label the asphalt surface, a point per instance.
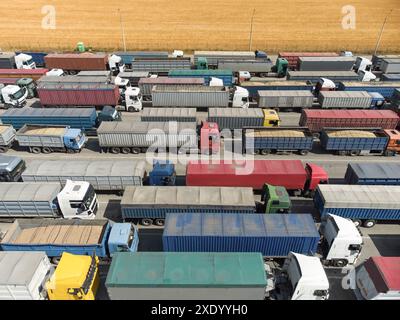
(383, 239)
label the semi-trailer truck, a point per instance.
(129, 56)
(48, 139)
(285, 100)
(37, 57)
(7, 137)
(262, 67)
(210, 59)
(83, 237)
(170, 114)
(325, 63)
(13, 96)
(254, 86)
(293, 57)
(19, 61)
(23, 83)
(373, 173)
(77, 200)
(350, 100)
(160, 66)
(385, 88)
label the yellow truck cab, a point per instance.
(76, 278)
(271, 118)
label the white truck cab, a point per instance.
(132, 99)
(366, 76)
(362, 64)
(216, 82)
(77, 200)
(341, 241)
(240, 98)
(115, 63)
(177, 53)
(55, 73)
(24, 61)
(14, 96)
(121, 83)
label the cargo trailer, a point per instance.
(168, 114)
(391, 77)
(103, 175)
(325, 63)
(381, 173)
(377, 60)
(350, 100)
(133, 76)
(74, 62)
(37, 57)
(364, 204)
(23, 275)
(290, 174)
(285, 100)
(316, 120)
(48, 139)
(385, 88)
(225, 75)
(262, 140)
(390, 65)
(254, 86)
(7, 137)
(161, 66)
(274, 235)
(33, 74)
(146, 84)
(237, 118)
(7, 60)
(152, 276)
(74, 79)
(129, 56)
(293, 57)
(314, 76)
(77, 200)
(255, 66)
(360, 141)
(83, 237)
(150, 204)
(214, 57)
(95, 73)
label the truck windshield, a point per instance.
(89, 196)
(19, 94)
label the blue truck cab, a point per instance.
(74, 139)
(123, 238)
(109, 113)
(163, 174)
(378, 100)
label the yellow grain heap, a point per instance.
(45, 131)
(276, 133)
(351, 134)
(3, 128)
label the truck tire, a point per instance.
(125, 150)
(55, 260)
(115, 150)
(264, 152)
(72, 72)
(3, 149)
(132, 109)
(357, 222)
(341, 153)
(340, 263)
(35, 150)
(389, 153)
(135, 150)
(369, 223)
(46, 150)
(303, 152)
(146, 222)
(354, 153)
(159, 222)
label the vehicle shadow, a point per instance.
(387, 244)
(150, 239)
(113, 210)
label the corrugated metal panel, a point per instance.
(285, 99)
(169, 114)
(7, 135)
(34, 74)
(76, 61)
(236, 118)
(316, 75)
(373, 173)
(160, 65)
(390, 65)
(146, 84)
(26, 136)
(377, 59)
(293, 57)
(225, 75)
(213, 57)
(345, 99)
(259, 65)
(385, 88)
(73, 79)
(273, 235)
(326, 63)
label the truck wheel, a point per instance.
(341, 153)
(132, 109)
(125, 150)
(46, 150)
(369, 223)
(146, 222)
(303, 152)
(159, 222)
(115, 150)
(135, 150)
(355, 153)
(357, 222)
(72, 72)
(340, 263)
(35, 150)
(55, 260)
(3, 149)
(264, 152)
(389, 153)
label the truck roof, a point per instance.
(29, 191)
(38, 71)
(384, 272)
(326, 59)
(88, 55)
(74, 86)
(9, 162)
(346, 227)
(186, 269)
(19, 267)
(369, 84)
(312, 270)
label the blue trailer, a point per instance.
(37, 57)
(85, 119)
(225, 75)
(385, 88)
(150, 204)
(83, 237)
(355, 141)
(375, 173)
(254, 87)
(364, 204)
(274, 235)
(264, 140)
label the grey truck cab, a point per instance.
(11, 168)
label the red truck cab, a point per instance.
(315, 175)
(210, 138)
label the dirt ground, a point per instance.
(205, 24)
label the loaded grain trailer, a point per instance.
(74, 62)
(48, 139)
(150, 276)
(391, 77)
(237, 118)
(212, 58)
(7, 137)
(259, 67)
(262, 140)
(146, 84)
(377, 60)
(325, 63)
(70, 94)
(161, 65)
(385, 88)
(293, 57)
(316, 120)
(33, 74)
(274, 235)
(314, 76)
(129, 56)
(364, 204)
(77, 200)
(225, 75)
(150, 204)
(361, 141)
(350, 100)
(290, 174)
(168, 114)
(83, 237)
(37, 57)
(103, 175)
(381, 173)
(254, 86)
(23, 275)
(285, 100)
(390, 65)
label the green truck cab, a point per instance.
(275, 199)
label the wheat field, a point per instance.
(195, 24)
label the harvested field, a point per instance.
(208, 25)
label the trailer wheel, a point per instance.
(389, 153)
(46, 150)
(135, 150)
(316, 135)
(115, 150)
(369, 223)
(146, 222)
(341, 153)
(56, 260)
(132, 109)
(125, 150)
(357, 222)
(3, 149)
(354, 153)
(340, 263)
(303, 152)
(72, 72)
(35, 150)
(159, 222)
(264, 152)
